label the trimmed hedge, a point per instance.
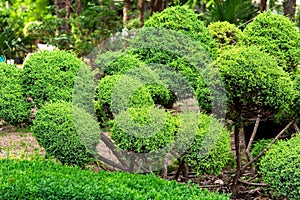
(276, 35)
(210, 149)
(14, 109)
(50, 75)
(47, 180)
(69, 134)
(280, 168)
(225, 34)
(184, 20)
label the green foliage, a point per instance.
(184, 20)
(210, 149)
(56, 129)
(49, 76)
(144, 130)
(138, 96)
(280, 168)
(258, 147)
(233, 11)
(13, 106)
(225, 34)
(295, 109)
(276, 35)
(46, 180)
(254, 79)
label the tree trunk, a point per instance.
(235, 185)
(67, 21)
(126, 10)
(289, 8)
(157, 6)
(141, 8)
(263, 5)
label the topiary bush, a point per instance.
(280, 168)
(210, 149)
(47, 180)
(276, 35)
(186, 21)
(69, 134)
(50, 75)
(14, 109)
(143, 130)
(108, 86)
(225, 34)
(253, 82)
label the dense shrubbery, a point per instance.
(144, 130)
(276, 35)
(210, 150)
(46, 180)
(184, 20)
(13, 106)
(49, 76)
(111, 85)
(258, 147)
(69, 134)
(225, 34)
(280, 168)
(253, 78)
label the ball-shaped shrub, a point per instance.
(210, 148)
(295, 108)
(252, 78)
(276, 35)
(14, 108)
(182, 19)
(50, 75)
(69, 134)
(225, 34)
(280, 168)
(121, 86)
(144, 130)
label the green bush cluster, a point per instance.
(69, 134)
(280, 168)
(258, 147)
(144, 130)
(111, 85)
(184, 20)
(50, 75)
(276, 35)
(225, 34)
(47, 180)
(254, 79)
(14, 108)
(210, 149)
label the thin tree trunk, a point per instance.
(126, 10)
(289, 8)
(141, 8)
(263, 5)
(67, 20)
(157, 6)
(235, 185)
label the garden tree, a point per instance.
(157, 6)
(255, 85)
(141, 8)
(276, 35)
(126, 11)
(263, 5)
(289, 8)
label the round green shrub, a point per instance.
(14, 108)
(50, 75)
(252, 78)
(144, 130)
(280, 168)
(295, 108)
(109, 85)
(258, 147)
(210, 149)
(182, 19)
(276, 35)
(69, 134)
(225, 34)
